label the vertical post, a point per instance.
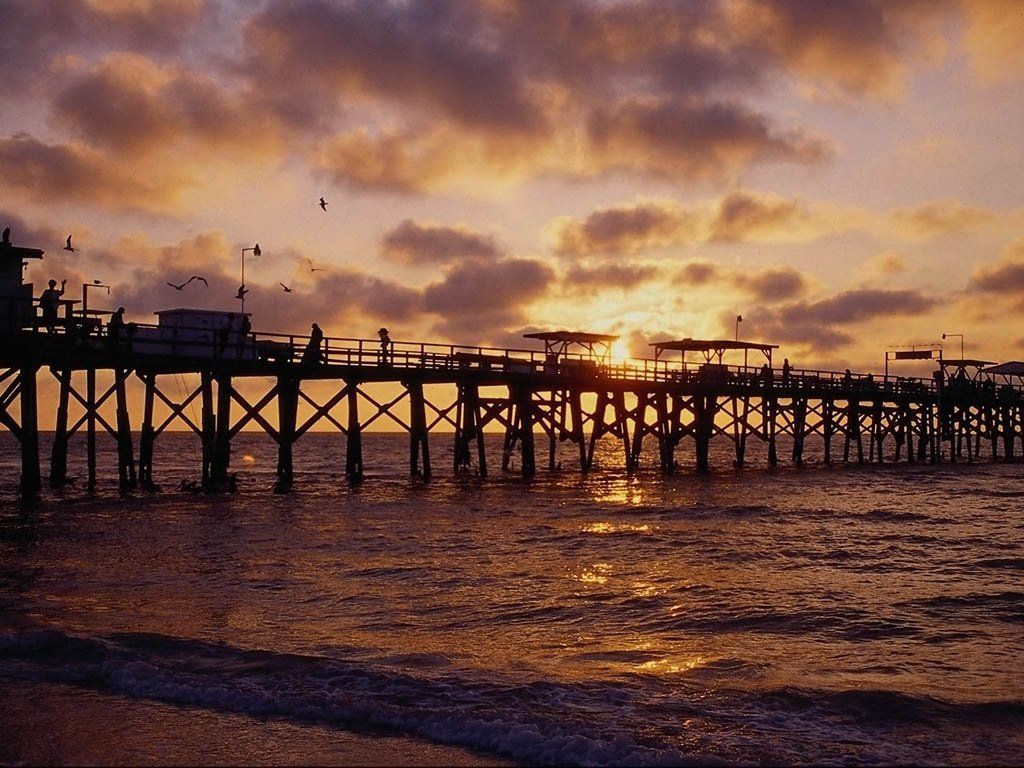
(799, 429)
(664, 432)
(1008, 429)
(576, 413)
(125, 457)
(31, 480)
(207, 428)
(287, 408)
(59, 452)
(703, 416)
(597, 425)
(828, 427)
(222, 439)
(771, 408)
(90, 428)
(354, 449)
(147, 435)
(418, 431)
(643, 399)
(622, 421)
(524, 409)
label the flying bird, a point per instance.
(194, 277)
(323, 204)
(68, 247)
(242, 290)
(286, 288)
(7, 236)
(309, 262)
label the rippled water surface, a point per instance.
(856, 614)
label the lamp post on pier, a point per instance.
(241, 289)
(961, 341)
(739, 319)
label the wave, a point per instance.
(532, 722)
(634, 721)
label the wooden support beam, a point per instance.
(706, 406)
(147, 437)
(90, 428)
(576, 433)
(287, 390)
(771, 416)
(418, 446)
(799, 429)
(209, 425)
(31, 480)
(522, 395)
(354, 448)
(222, 436)
(59, 450)
(125, 455)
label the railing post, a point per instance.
(31, 481)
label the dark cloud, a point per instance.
(479, 299)
(432, 56)
(52, 172)
(627, 229)
(821, 326)
(698, 273)
(418, 243)
(690, 139)
(1003, 279)
(772, 285)
(742, 214)
(36, 32)
(591, 279)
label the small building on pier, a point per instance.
(16, 309)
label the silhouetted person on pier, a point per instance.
(385, 347)
(49, 300)
(785, 372)
(7, 236)
(313, 354)
(115, 328)
(847, 378)
(766, 375)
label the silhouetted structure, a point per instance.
(542, 393)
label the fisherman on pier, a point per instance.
(385, 347)
(313, 354)
(115, 328)
(49, 300)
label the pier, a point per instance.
(569, 390)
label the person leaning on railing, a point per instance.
(49, 301)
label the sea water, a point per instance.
(867, 614)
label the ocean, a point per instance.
(867, 615)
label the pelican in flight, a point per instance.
(67, 246)
(286, 288)
(309, 263)
(323, 204)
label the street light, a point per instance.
(241, 291)
(961, 342)
(85, 293)
(739, 319)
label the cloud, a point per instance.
(422, 243)
(77, 173)
(39, 31)
(626, 229)
(745, 216)
(128, 104)
(1004, 277)
(624, 276)
(477, 299)
(768, 285)
(940, 217)
(995, 38)
(691, 139)
(428, 57)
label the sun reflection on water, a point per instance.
(673, 666)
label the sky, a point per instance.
(846, 176)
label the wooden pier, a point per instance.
(571, 390)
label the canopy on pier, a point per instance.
(558, 343)
(1013, 368)
(713, 349)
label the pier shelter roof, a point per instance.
(1008, 370)
(558, 343)
(968, 368)
(713, 349)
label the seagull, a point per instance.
(323, 204)
(286, 288)
(242, 290)
(194, 277)
(7, 236)
(312, 268)
(68, 246)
